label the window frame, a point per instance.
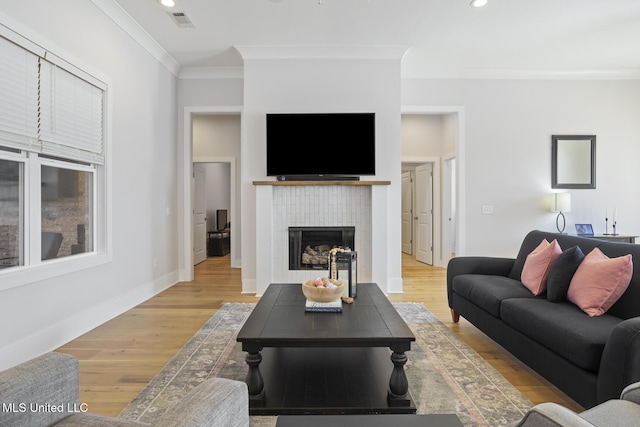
(21, 157)
(34, 269)
(62, 164)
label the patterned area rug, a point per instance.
(445, 375)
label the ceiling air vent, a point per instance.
(181, 19)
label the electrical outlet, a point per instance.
(487, 209)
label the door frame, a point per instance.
(460, 193)
(446, 203)
(185, 193)
(231, 161)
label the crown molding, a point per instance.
(189, 73)
(121, 18)
(528, 74)
(322, 52)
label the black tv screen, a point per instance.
(321, 145)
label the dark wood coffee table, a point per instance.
(326, 363)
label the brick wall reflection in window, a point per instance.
(67, 212)
(11, 213)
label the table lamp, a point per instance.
(561, 203)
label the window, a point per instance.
(11, 212)
(67, 211)
(52, 157)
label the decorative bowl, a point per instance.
(322, 294)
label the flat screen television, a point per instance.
(321, 145)
(221, 219)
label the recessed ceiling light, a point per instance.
(478, 3)
(167, 3)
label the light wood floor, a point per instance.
(120, 357)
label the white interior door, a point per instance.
(199, 215)
(424, 213)
(407, 214)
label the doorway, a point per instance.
(433, 135)
(212, 197)
(190, 153)
(418, 211)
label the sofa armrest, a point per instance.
(215, 402)
(50, 379)
(631, 393)
(492, 266)
(551, 415)
(620, 364)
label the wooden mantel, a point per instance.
(309, 183)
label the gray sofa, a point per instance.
(45, 392)
(592, 359)
(623, 412)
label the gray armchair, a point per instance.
(45, 392)
(623, 412)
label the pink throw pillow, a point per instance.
(537, 265)
(599, 282)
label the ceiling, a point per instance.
(444, 38)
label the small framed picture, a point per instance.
(584, 230)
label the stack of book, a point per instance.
(323, 307)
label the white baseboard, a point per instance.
(55, 336)
(394, 286)
(249, 286)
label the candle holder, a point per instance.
(345, 264)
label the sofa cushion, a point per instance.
(627, 306)
(562, 328)
(599, 282)
(488, 291)
(618, 413)
(562, 272)
(532, 240)
(538, 264)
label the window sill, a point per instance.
(18, 276)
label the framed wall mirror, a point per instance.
(573, 161)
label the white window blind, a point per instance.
(71, 115)
(44, 107)
(18, 97)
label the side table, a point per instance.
(218, 243)
(615, 237)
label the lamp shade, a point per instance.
(561, 202)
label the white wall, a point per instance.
(323, 85)
(422, 135)
(508, 131)
(41, 316)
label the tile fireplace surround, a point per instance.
(327, 203)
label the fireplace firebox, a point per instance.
(309, 246)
